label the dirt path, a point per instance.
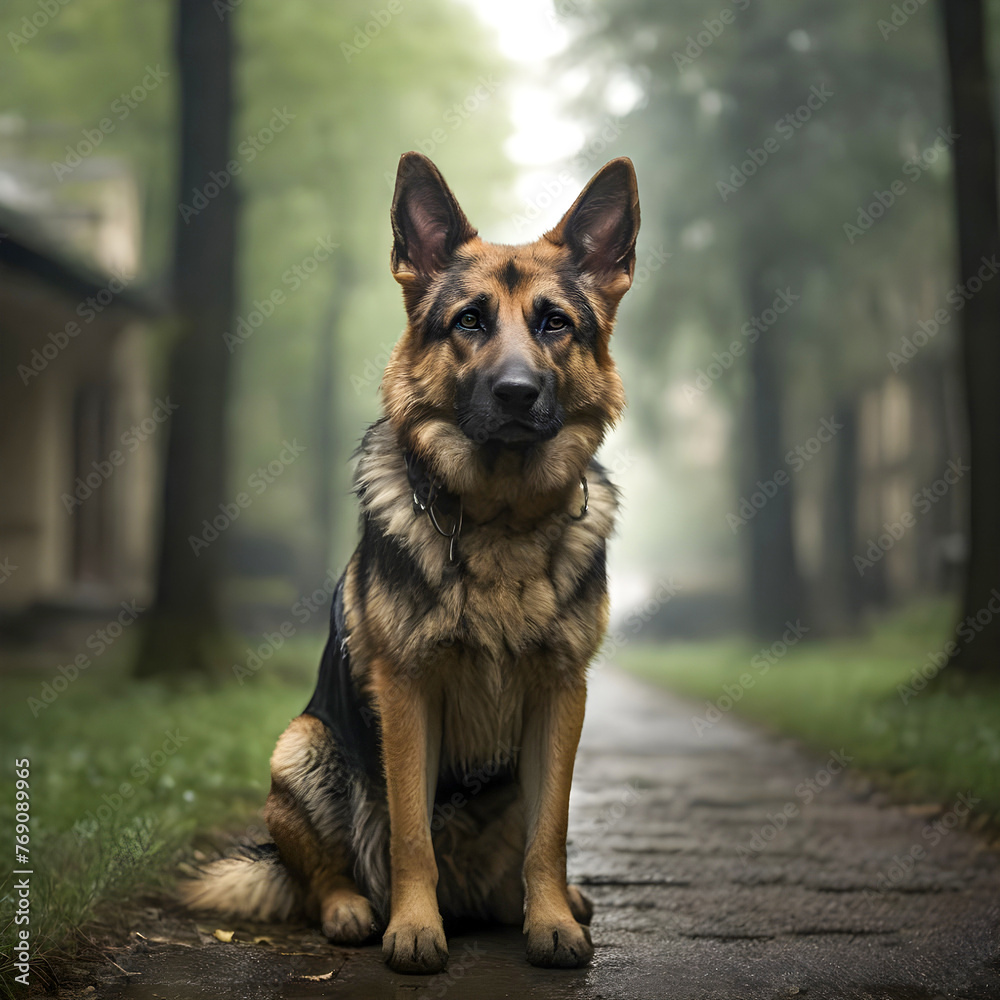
(724, 866)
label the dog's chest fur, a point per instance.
(522, 606)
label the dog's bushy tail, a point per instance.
(251, 884)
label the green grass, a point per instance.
(92, 840)
(941, 741)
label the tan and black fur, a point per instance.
(429, 776)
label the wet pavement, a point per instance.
(724, 865)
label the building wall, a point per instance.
(32, 540)
(40, 527)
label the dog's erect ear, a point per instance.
(427, 223)
(601, 227)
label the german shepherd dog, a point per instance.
(429, 776)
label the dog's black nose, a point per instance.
(517, 387)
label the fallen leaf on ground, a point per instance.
(922, 809)
(225, 936)
(169, 940)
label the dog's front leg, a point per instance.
(551, 734)
(411, 735)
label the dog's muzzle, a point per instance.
(514, 404)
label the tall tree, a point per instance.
(773, 587)
(976, 213)
(185, 629)
(757, 135)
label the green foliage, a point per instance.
(703, 105)
(78, 71)
(927, 742)
(705, 94)
(110, 807)
(330, 175)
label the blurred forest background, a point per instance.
(197, 307)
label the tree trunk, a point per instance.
(773, 585)
(840, 592)
(775, 589)
(327, 415)
(185, 632)
(976, 212)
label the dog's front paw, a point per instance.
(565, 945)
(414, 948)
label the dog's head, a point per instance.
(504, 366)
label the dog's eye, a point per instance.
(555, 323)
(469, 320)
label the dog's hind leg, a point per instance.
(309, 814)
(346, 915)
